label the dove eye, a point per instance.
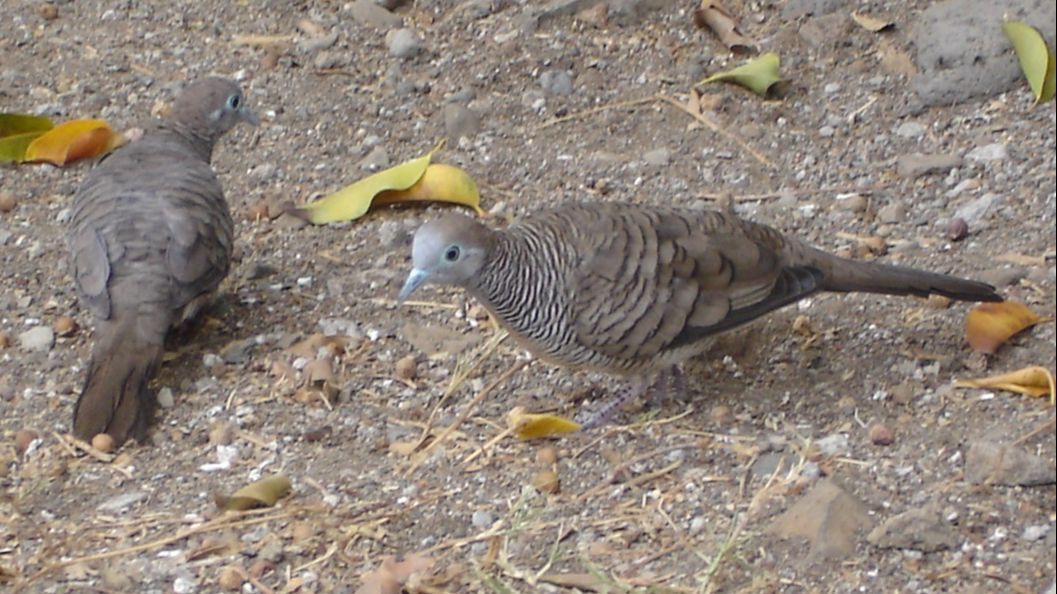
(234, 101)
(452, 253)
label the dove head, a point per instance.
(451, 250)
(209, 107)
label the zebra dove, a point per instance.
(150, 240)
(634, 290)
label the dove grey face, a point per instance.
(448, 251)
(212, 106)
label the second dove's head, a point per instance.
(449, 251)
(212, 106)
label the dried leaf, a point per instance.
(262, 493)
(414, 180)
(1036, 58)
(757, 75)
(393, 573)
(17, 132)
(715, 16)
(539, 426)
(988, 325)
(1030, 381)
(72, 141)
(872, 24)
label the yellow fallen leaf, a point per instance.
(444, 183)
(1030, 381)
(871, 24)
(73, 140)
(539, 426)
(262, 493)
(988, 325)
(1036, 58)
(757, 75)
(17, 131)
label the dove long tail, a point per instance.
(116, 399)
(872, 277)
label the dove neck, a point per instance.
(199, 141)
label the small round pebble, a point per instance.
(720, 414)
(103, 442)
(403, 43)
(65, 326)
(230, 578)
(482, 519)
(547, 456)
(407, 368)
(8, 202)
(546, 481)
(957, 229)
(24, 437)
(881, 434)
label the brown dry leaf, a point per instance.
(715, 16)
(72, 141)
(988, 325)
(393, 573)
(1029, 381)
(539, 426)
(872, 24)
(262, 493)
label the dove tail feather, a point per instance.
(872, 277)
(116, 399)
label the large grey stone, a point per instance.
(962, 52)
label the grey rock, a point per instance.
(892, 213)
(403, 43)
(327, 60)
(38, 339)
(556, 82)
(238, 351)
(993, 463)
(376, 160)
(977, 211)
(122, 502)
(853, 203)
(826, 131)
(482, 520)
(658, 157)
(314, 44)
(915, 165)
(962, 52)
(827, 516)
(795, 9)
(917, 529)
(165, 398)
(1033, 533)
(835, 444)
(831, 30)
(367, 12)
(988, 152)
(461, 121)
(910, 130)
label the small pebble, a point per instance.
(407, 368)
(482, 519)
(547, 456)
(5, 340)
(24, 437)
(1033, 533)
(8, 202)
(38, 338)
(659, 157)
(957, 229)
(65, 326)
(261, 567)
(103, 442)
(230, 578)
(720, 414)
(403, 43)
(546, 481)
(221, 433)
(988, 152)
(881, 434)
(49, 12)
(556, 82)
(165, 398)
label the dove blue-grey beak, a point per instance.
(415, 279)
(249, 116)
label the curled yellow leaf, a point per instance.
(262, 493)
(1036, 59)
(72, 141)
(539, 426)
(757, 75)
(17, 131)
(988, 325)
(410, 181)
(1030, 381)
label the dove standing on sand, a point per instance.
(150, 240)
(634, 290)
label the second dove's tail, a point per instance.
(116, 399)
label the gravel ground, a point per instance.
(823, 449)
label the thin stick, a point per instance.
(599, 109)
(715, 128)
(465, 414)
(85, 447)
